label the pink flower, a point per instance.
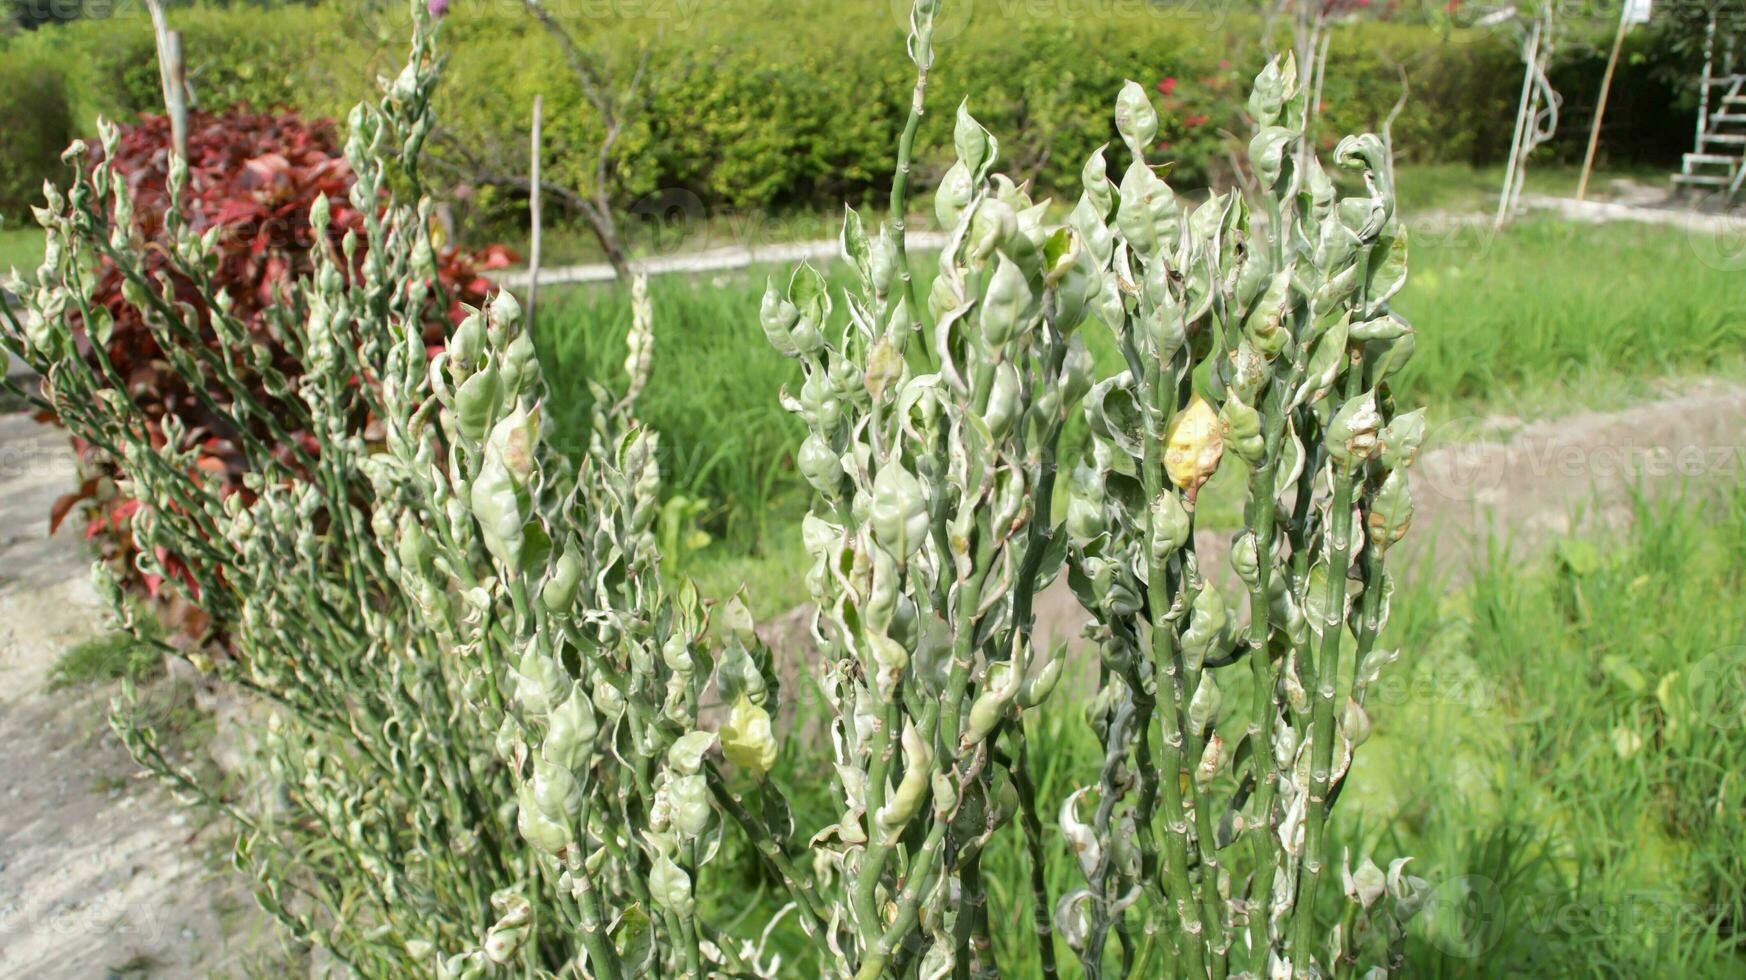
(1168, 85)
(438, 8)
(1198, 119)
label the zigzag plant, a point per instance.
(489, 750)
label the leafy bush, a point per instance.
(36, 122)
(490, 748)
(933, 446)
(251, 181)
(740, 123)
(459, 628)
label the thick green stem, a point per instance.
(866, 881)
(797, 885)
(1264, 844)
(1323, 680)
(878, 955)
(1165, 660)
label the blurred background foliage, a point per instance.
(749, 105)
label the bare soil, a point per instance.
(102, 874)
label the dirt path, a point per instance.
(722, 259)
(101, 873)
(1633, 202)
(1524, 484)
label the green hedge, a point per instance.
(753, 105)
(36, 123)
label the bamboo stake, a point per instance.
(1600, 109)
(533, 258)
(171, 77)
(1522, 116)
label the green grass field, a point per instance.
(1550, 314)
(1562, 754)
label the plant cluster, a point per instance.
(502, 740)
(483, 750)
(250, 183)
(1262, 342)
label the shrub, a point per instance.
(483, 750)
(489, 747)
(251, 180)
(36, 122)
(741, 120)
(1268, 345)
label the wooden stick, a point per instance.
(171, 77)
(533, 202)
(1600, 109)
(1529, 60)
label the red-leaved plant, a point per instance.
(255, 176)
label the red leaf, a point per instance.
(62, 505)
(256, 175)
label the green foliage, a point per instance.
(933, 444)
(36, 123)
(1569, 779)
(260, 243)
(738, 115)
(506, 739)
(485, 750)
(112, 656)
(291, 56)
(385, 829)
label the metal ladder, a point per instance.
(1719, 159)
